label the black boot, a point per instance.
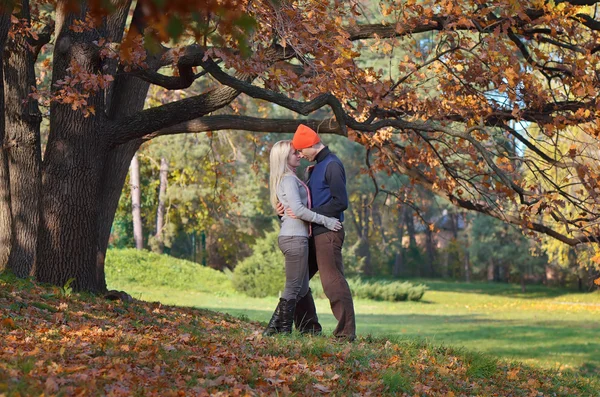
(282, 319)
(287, 316)
(275, 323)
(305, 316)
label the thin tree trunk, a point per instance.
(467, 258)
(23, 120)
(410, 228)
(363, 248)
(467, 265)
(399, 260)
(5, 210)
(491, 270)
(136, 202)
(160, 212)
(430, 251)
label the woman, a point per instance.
(286, 188)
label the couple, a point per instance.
(311, 235)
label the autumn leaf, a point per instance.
(322, 388)
(8, 322)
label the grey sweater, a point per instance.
(292, 194)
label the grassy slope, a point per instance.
(549, 327)
(80, 345)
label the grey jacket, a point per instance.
(292, 194)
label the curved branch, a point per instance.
(184, 80)
(245, 123)
(423, 181)
(530, 145)
(527, 55)
(303, 108)
(142, 123)
(361, 32)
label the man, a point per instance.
(327, 183)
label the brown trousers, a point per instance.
(325, 256)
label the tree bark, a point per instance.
(491, 272)
(410, 228)
(399, 260)
(467, 265)
(23, 120)
(160, 212)
(430, 251)
(71, 169)
(5, 207)
(128, 97)
(136, 202)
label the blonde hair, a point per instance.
(279, 167)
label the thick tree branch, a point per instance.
(184, 80)
(527, 55)
(578, 2)
(361, 32)
(245, 123)
(303, 108)
(157, 118)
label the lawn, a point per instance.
(550, 328)
(55, 342)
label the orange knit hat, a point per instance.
(304, 137)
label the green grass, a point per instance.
(147, 269)
(548, 327)
(143, 348)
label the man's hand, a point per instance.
(280, 210)
(290, 213)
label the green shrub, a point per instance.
(262, 273)
(147, 269)
(380, 290)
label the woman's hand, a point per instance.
(333, 224)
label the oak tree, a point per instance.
(475, 101)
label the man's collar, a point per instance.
(322, 154)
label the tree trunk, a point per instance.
(523, 285)
(136, 202)
(430, 252)
(23, 120)
(160, 212)
(491, 270)
(73, 160)
(5, 211)
(399, 260)
(128, 97)
(467, 265)
(410, 228)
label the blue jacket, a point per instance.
(327, 184)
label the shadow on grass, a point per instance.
(551, 343)
(495, 288)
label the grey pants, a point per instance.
(295, 251)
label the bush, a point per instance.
(262, 273)
(147, 269)
(380, 290)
